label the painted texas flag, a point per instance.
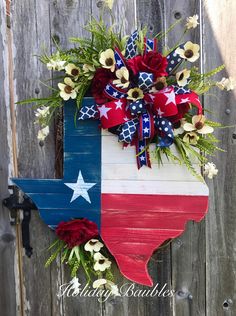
(136, 210)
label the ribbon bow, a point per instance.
(138, 122)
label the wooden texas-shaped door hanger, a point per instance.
(135, 210)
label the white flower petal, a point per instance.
(189, 127)
(206, 130)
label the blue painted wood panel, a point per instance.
(82, 154)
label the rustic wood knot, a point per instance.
(234, 135)
(56, 38)
(36, 90)
(7, 237)
(227, 111)
(41, 143)
(177, 15)
(184, 294)
(100, 4)
(227, 304)
(151, 28)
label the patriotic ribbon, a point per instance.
(137, 122)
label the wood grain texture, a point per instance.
(8, 297)
(220, 47)
(188, 251)
(202, 289)
(30, 27)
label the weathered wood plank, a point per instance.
(30, 27)
(8, 296)
(219, 47)
(188, 251)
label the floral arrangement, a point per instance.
(142, 95)
(78, 245)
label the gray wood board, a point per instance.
(199, 266)
(219, 47)
(8, 304)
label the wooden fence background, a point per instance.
(200, 265)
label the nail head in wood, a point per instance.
(227, 303)
(36, 90)
(177, 15)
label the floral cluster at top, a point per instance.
(143, 95)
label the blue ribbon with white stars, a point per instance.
(142, 153)
(145, 126)
(150, 44)
(113, 92)
(165, 132)
(120, 62)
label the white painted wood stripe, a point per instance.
(121, 175)
(110, 145)
(129, 171)
(157, 187)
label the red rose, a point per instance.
(100, 80)
(151, 62)
(182, 110)
(76, 232)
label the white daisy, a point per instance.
(101, 262)
(72, 70)
(182, 77)
(107, 59)
(226, 83)
(67, 89)
(123, 78)
(93, 245)
(198, 125)
(189, 52)
(210, 170)
(107, 284)
(56, 65)
(135, 94)
(192, 22)
(43, 133)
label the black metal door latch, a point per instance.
(13, 204)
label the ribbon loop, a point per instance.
(150, 44)
(145, 80)
(166, 134)
(142, 153)
(137, 107)
(131, 46)
(120, 62)
(88, 112)
(128, 131)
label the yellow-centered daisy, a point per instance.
(182, 77)
(135, 94)
(190, 52)
(107, 59)
(123, 78)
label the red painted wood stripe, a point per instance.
(133, 226)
